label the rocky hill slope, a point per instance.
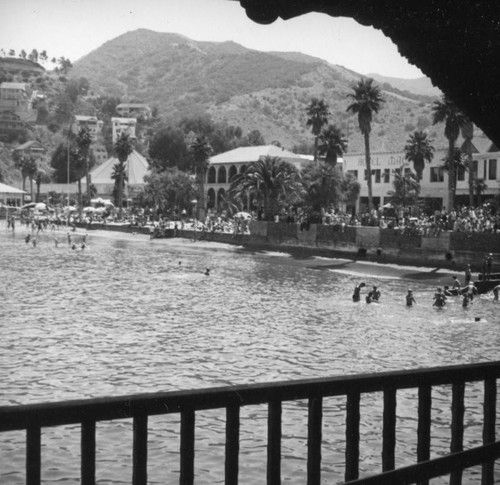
(254, 90)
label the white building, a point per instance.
(93, 125)
(434, 183)
(123, 125)
(223, 167)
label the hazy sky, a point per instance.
(73, 28)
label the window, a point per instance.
(354, 173)
(387, 176)
(492, 170)
(461, 173)
(437, 174)
(376, 173)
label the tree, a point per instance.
(322, 183)
(317, 113)
(119, 175)
(23, 54)
(366, 100)
(406, 188)
(122, 149)
(350, 189)
(168, 189)
(200, 151)
(33, 56)
(83, 142)
(467, 130)
(28, 167)
(418, 150)
(271, 181)
(253, 139)
(168, 149)
(332, 144)
(447, 112)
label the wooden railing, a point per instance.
(33, 418)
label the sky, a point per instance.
(74, 28)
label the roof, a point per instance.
(85, 118)
(132, 105)
(137, 168)
(30, 144)
(7, 85)
(7, 189)
(255, 153)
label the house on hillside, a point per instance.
(93, 125)
(134, 110)
(123, 125)
(16, 108)
(223, 167)
(31, 148)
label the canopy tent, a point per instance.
(136, 167)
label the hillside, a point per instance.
(254, 90)
(422, 85)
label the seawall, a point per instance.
(451, 250)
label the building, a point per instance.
(10, 196)
(134, 110)
(31, 148)
(16, 108)
(434, 183)
(223, 167)
(93, 125)
(136, 168)
(123, 125)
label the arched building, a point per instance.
(225, 166)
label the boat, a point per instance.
(482, 285)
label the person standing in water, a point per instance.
(373, 296)
(439, 299)
(356, 296)
(410, 299)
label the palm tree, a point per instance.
(467, 130)
(28, 167)
(448, 112)
(322, 183)
(201, 150)
(119, 175)
(418, 150)
(317, 113)
(123, 148)
(83, 141)
(333, 144)
(406, 188)
(366, 100)
(270, 180)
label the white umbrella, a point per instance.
(31, 205)
(40, 206)
(89, 209)
(243, 215)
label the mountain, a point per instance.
(422, 85)
(268, 91)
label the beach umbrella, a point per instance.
(40, 206)
(89, 209)
(243, 215)
(31, 205)
(70, 208)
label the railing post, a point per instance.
(314, 438)
(232, 444)
(424, 426)
(88, 452)
(457, 426)
(489, 419)
(389, 432)
(187, 447)
(33, 454)
(274, 443)
(352, 436)
(140, 450)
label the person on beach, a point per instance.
(439, 299)
(410, 299)
(468, 274)
(356, 296)
(470, 291)
(373, 295)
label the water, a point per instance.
(130, 315)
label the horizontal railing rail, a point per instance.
(34, 417)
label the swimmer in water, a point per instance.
(357, 291)
(34, 241)
(73, 246)
(439, 299)
(70, 239)
(207, 272)
(373, 296)
(27, 238)
(410, 299)
(56, 242)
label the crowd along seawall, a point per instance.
(448, 249)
